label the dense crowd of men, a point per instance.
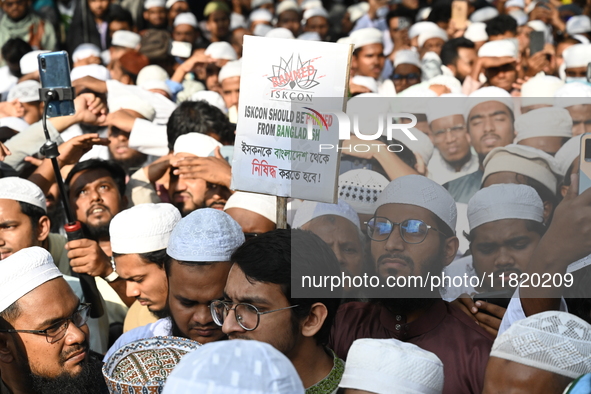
(196, 280)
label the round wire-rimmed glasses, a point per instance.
(412, 231)
(247, 316)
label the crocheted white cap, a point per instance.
(361, 189)
(18, 189)
(309, 210)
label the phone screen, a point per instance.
(536, 42)
(54, 72)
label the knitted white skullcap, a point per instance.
(97, 71)
(205, 235)
(186, 18)
(361, 189)
(553, 341)
(366, 36)
(578, 24)
(198, 144)
(523, 160)
(578, 55)
(378, 365)
(262, 204)
(132, 102)
(143, 228)
(483, 95)
(544, 122)
(505, 201)
(432, 33)
(221, 50)
(309, 210)
(422, 192)
(154, 3)
(85, 50)
(405, 56)
(420, 27)
(280, 32)
(29, 62)
(23, 272)
(126, 39)
(286, 5)
(313, 12)
(231, 69)
(476, 32)
(573, 93)
(484, 14)
(498, 48)
(18, 189)
(260, 15)
(438, 108)
(25, 92)
(152, 72)
(540, 90)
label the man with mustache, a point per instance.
(412, 236)
(199, 248)
(43, 343)
(489, 119)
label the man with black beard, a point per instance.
(199, 248)
(412, 236)
(43, 343)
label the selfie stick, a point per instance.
(73, 227)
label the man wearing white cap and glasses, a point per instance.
(199, 248)
(155, 14)
(412, 234)
(139, 237)
(407, 70)
(43, 343)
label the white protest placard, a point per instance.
(288, 89)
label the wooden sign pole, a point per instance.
(281, 212)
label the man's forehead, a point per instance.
(500, 230)
(91, 175)
(488, 108)
(403, 210)
(450, 120)
(9, 206)
(240, 287)
(41, 303)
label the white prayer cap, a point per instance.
(483, 95)
(23, 272)
(230, 69)
(452, 83)
(29, 62)
(366, 36)
(432, 33)
(553, 341)
(540, 90)
(186, 18)
(262, 204)
(505, 201)
(260, 15)
(368, 82)
(420, 27)
(567, 154)
(286, 5)
(515, 3)
(262, 29)
(406, 56)
(379, 365)
(26, 91)
(97, 71)
(143, 228)
(441, 108)
(498, 48)
(18, 189)
(520, 16)
(422, 192)
(422, 146)
(311, 36)
(476, 32)
(126, 39)
(544, 122)
(170, 3)
(280, 32)
(197, 144)
(523, 160)
(249, 367)
(356, 11)
(205, 235)
(14, 123)
(309, 210)
(578, 24)
(213, 98)
(484, 14)
(151, 73)
(309, 4)
(131, 102)
(221, 50)
(85, 50)
(257, 3)
(344, 40)
(537, 25)
(154, 3)
(312, 12)
(581, 38)
(361, 189)
(578, 55)
(423, 14)
(572, 93)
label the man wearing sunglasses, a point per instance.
(43, 343)
(257, 303)
(407, 70)
(412, 235)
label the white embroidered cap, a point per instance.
(544, 122)
(309, 210)
(361, 189)
(18, 189)
(262, 204)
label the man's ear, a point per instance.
(450, 250)
(6, 356)
(315, 319)
(43, 228)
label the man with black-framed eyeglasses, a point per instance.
(44, 344)
(258, 303)
(413, 236)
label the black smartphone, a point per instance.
(54, 71)
(589, 72)
(536, 42)
(500, 298)
(585, 163)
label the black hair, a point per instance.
(449, 50)
(440, 12)
(114, 169)
(400, 12)
(120, 14)
(33, 212)
(14, 49)
(500, 25)
(10, 314)
(158, 257)
(198, 117)
(280, 255)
